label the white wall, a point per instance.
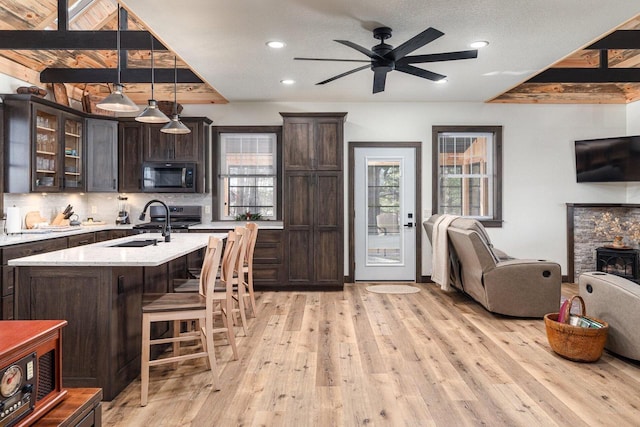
(539, 164)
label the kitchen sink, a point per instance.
(135, 243)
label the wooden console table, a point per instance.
(81, 408)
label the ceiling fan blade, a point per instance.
(359, 48)
(379, 80)
(343, 74)
(438, 57)
(416, 42)
(329, 59)
(410, 69)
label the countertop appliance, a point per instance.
(163, 177)
(181, 217)
(123, 211)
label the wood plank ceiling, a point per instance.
(27, 64)
(91, 15)
(559, 92)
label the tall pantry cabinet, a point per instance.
(313, 199)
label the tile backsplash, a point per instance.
(99, 206)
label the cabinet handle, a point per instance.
(120, 284)
(114, 183)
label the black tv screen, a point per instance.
(608, 159)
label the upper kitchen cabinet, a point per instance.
(131, 136)
(310, 142)
(102, 155)
(164, 147)
(142, 142)
(44, 146)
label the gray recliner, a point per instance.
(504, 285)
(615, 300)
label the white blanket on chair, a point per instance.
(440, 263)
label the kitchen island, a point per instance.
(98, 289)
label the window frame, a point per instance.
(496, 221)
(214, 156)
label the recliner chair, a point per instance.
(504, 285)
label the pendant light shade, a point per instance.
(117, 101)
(175, 126)
(152, 114)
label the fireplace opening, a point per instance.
(621, 262)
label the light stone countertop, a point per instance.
(230, 225)
(103, 254)
(35, 236)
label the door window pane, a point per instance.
(383, 213)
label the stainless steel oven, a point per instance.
(166, 177)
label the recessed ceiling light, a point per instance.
(287, 81)
(274, 44)
(479, 44)
(441, 81)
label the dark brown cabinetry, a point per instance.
(101, 346)
(8, 279)
(268, 258)
(313, 199)
(130, 141)
(44, 146)
(81, 240)
(140, 142)
(102, 155)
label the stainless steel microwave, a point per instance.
(165, 177)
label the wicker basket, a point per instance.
(574, 342)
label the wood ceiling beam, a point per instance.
(127, 75)
(619, 39)
(77, 40)
(588, 75)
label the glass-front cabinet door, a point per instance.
(73, 129)
(47, 176)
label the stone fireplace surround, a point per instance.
(582, 240)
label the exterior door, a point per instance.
(385, 215)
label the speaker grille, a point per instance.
(46, 374)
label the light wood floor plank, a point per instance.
(355, 358)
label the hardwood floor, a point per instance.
(358, 358)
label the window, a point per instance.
(467, 172)
(248, 174)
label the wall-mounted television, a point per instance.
(608, 159)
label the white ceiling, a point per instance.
(224, 42)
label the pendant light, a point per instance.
(152, 114)
(175, 126)
(117, 101)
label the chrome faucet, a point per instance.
(166, 229)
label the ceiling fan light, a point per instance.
(152, 114)
(441, 81)
(118, 102)
(175, 126)
(287, 82)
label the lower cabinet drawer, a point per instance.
(26, 249)
(81, 239)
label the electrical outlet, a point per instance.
(94, 209)
(207, 209)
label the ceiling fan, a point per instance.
(385, 58)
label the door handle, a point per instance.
(409, 225)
